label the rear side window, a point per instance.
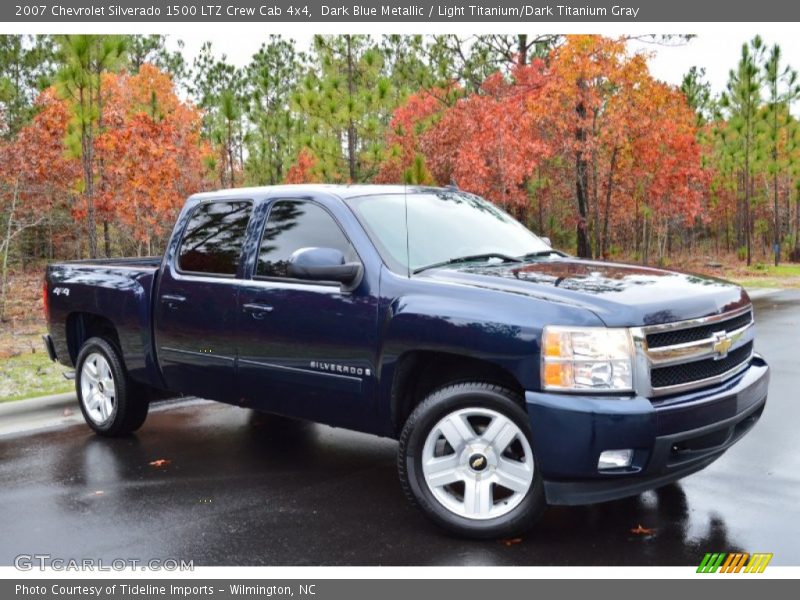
(295, 224)
(212, 242)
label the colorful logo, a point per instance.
(734, 562)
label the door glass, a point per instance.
(293, 225)
(214, 237)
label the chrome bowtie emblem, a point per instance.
(722, 343)
(477, 462)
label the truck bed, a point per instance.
(145, 262)
(84, 294)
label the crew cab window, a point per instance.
(214, 237)
(295, 224)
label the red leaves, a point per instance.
(517, 138)
(512, 542)
(160, 463)
(639, 530)
(302, 171)
(152, 155)
(148, 154)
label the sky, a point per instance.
(718, 52)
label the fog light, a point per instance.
(615, 459)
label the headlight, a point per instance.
(587, 358)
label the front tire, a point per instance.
(111, 403)
(466, 460)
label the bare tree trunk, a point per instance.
(777, 238)
(351, 128)
(607, 208)
(747, 193)
(101, 162)
(6, 245)
(595, 207)
(540, 203)
(87, 160)
(106, 238)
(231, 153)
(584, 250)
(522, 50)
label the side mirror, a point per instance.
(324, 264)
(547, 241)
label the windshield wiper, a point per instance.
(539, 253)
(460, 259)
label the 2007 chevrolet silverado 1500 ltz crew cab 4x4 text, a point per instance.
(513, 375)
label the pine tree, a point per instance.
(782, 89)
(271, 141)
(84, 59)
(742, 100)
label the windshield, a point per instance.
(442, 226)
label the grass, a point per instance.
(761, 275)
(30, 375)
(785, 270)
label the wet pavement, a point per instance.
(237, 489)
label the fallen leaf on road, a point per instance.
(67, 412)
(161, 462)
(639, 530)
(99, 493)
(512, 541)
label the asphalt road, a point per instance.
(239, 491)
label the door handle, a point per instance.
(172, 300)
(257, 310)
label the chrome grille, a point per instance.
(694, 334)
(686, 355)
(699, 369)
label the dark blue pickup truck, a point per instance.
(514, 376)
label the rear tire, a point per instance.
(466, 460)
(112, 404)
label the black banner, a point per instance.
(396, 11)
(386, 589)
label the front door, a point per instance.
(196, 305)
(306, 348)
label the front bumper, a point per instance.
(671, 437)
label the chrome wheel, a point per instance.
(477, 463)
(98, 392)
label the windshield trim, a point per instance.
(384, 254)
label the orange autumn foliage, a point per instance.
(35, 160)
(151, 151)
(149, 156)
(304, 169)
(519, 139)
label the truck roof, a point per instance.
(341, 191)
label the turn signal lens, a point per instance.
(558, 374)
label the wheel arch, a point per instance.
(82, 326)
(418, 373)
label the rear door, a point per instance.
(196, 304)
(307, 348)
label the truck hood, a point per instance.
(621, 295)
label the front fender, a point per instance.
(499, 328)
